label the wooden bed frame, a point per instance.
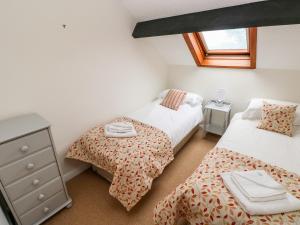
(109, 177)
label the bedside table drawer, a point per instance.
(24, 146)
(44, 209)
(38, 196)
(26, 166)
(32, 182)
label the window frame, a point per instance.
(239, 59)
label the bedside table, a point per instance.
(208, 111)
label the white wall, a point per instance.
(240, 85)
(277, 74)
(76, 77)
(94, 70)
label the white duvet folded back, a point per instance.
(176, 124)
(244, 137)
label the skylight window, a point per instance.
(234, 39)
(234, 48)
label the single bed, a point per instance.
(132, 163)
(241, 137)
(178, 125)
(280, 150)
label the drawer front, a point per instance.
(36, 197)
(26, 166)
(44, 209)
(32, 182)
(24, 146)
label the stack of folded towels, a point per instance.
(119, 129)
(258, 193)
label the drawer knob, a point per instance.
(30, 166)
(24, 148)
(41, 197)
(46, 210)
(35, 182)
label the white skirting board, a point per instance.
(75, 172)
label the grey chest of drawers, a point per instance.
(30, 175)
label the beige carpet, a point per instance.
(92, 205)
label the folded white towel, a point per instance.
(258, 186)
(112, 129)
(288, 204)
(119, 130)
(121, 125)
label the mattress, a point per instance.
(176, 124)
(276, 149)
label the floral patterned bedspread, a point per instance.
(203, 198)
(134, 162)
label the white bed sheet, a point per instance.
(276, 149)
(176, 124)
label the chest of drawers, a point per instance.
(30, 176)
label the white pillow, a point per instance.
(191, 99)
(254, 110)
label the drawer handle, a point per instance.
(24, 148)
(41, 197)
(35, 182)
(30, 166)
(46, 210)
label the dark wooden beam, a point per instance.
(265, 13)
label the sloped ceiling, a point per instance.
(278, 47)
(153, 9)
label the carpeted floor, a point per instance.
(92, 204)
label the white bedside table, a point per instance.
(208, 111)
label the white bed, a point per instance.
(176, 124)
(280, 150)
(179, 125)
(243, 137)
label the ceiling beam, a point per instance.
(265, 13)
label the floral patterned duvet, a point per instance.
(203, 198)
(134, 162)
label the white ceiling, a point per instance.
(152, 9)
